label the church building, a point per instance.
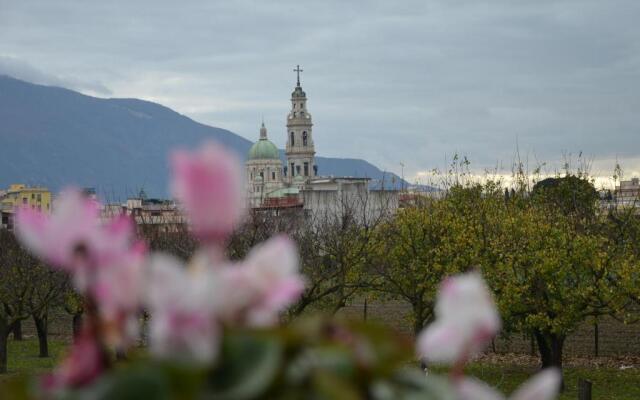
(296, 184)
(267, 178)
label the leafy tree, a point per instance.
(419, 248)
(550, 275)
(573, 195)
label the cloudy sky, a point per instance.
(388, 81)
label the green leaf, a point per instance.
(329, 386)
(139, 383)
(248, 366)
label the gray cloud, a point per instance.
(413, 82)
(21, 69)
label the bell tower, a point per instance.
(300, 151)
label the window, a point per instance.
(33, 196)
(25, 200)
(304, 138)
(292, 169)
(292, 140)
(39, 197)
(273, 176)
(294, 114)
(297, 169)
(306, 169)
(261, 174)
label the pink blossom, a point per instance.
(182, 305)
(466, 320)
(209, 184)
(104, 260)
(117, 289)
(264, 284)
(117, 285)
(85, 363)
(59, 238)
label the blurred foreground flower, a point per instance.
(104, 259)
(257, 289)
(181, 304)
(466, 321)
(84, 364)
(209, 184)
(69, 237)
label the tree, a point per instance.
(335, 247)
(550, 274)
(15, 289)
(422, 245)
(573, 195)
(49, 286)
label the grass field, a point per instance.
(23, 356)
(608, 382)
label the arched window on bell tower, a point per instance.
(304, 138)
(292, 140)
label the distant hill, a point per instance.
(57, 137)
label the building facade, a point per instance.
(268, 180)
(299, 149)
(627, 194)
(264, 172)
(296, 185)
(21, 195)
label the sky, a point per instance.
(392, 82)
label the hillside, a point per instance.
(57, 137)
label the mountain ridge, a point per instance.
(57, 137)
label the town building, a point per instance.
(159, 214)
(627, 194)
(21, 195)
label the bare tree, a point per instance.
(15, 289)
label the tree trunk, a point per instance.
(5, 329)
(339, 305)
(76, 325)
(418, 325)
(550, 346)
(422, 317)
(41, 322)
(17, 331)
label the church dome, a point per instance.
(264, 149)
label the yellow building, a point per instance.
(20, 195)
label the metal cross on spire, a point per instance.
(298, 70)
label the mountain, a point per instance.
(57, 137)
